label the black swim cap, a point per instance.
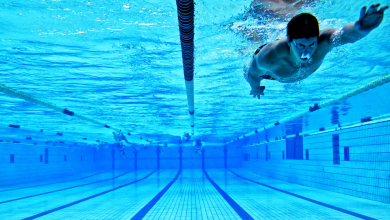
(304, 25)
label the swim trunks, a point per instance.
(262, 76)
(258, 50)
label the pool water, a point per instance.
(118, 66)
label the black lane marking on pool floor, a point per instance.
(308, 199)
(55, 182)
(26, 197)
(141, 214)
(85, 199)
(239, 210)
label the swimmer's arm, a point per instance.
(347, 34)
(254, 80)
(256, 90)
(261, 63)
(251, 69)
(352, 32)
(333, 37)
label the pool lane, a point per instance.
(122, 203)
(239, 210)
(141, 214)
(364, 207)
(11, 196)
(192, 196)
(28, 207)
(81, 176)
(264, 203)
(355, 214)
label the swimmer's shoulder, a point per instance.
(273, 52)
(281, 48)
(325, 38)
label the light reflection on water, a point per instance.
(121, 63)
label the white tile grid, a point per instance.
(348, 175)
(321, 179)
(192, 196)
(123, 203)
(28, 168)
(64, 177)
(31, 206)
(14, 194)
(369, 153)
(264, 203)
(367, 207)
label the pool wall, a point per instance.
(364, 173)
(23, 163)
(170, 158)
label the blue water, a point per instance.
(120, 63)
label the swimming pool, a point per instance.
(118, 66)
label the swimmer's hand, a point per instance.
(370, 19)
(257, 91)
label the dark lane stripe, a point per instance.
(26, 197)
(55, 182)
(85, 199)
(239, 210)
(152, 202)
(310, 200)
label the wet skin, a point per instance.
(285, 58)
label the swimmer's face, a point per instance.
(303, 48)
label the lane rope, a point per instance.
(185, 11)
(373, 84)
(33, 99)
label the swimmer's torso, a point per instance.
(287, 71)
(284, 69)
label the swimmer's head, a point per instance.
(302, 36)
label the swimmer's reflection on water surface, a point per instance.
(270, 10)
(278, 8)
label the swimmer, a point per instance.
(198, 146)
(301, 53)
(118, 137)
(186, 137)
(121, 149)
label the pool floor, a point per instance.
(181, 194)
